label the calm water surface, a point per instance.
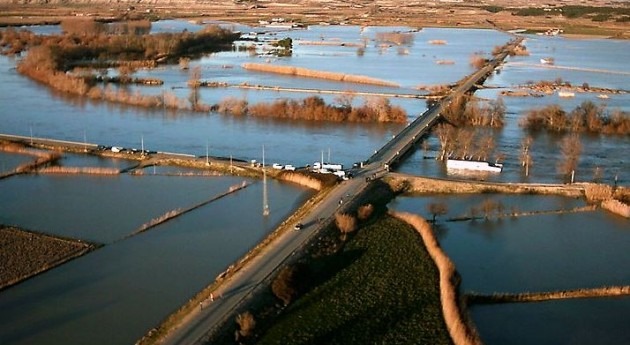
(117, 293)
(537, 253)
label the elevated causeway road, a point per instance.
(245, 282)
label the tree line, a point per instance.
(314, 108)
(587, 117)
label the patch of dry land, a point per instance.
(24, 254)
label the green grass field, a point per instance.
(382, 289)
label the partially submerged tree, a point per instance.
(437, 209)
(526, 157)
(194, 82)
(571, 148)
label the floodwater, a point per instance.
(10, 161)
(546, 252)
(117, 293)
(603, 157)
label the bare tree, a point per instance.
(571, 148)
(526, 158)
(444, 133)
(437, 209)
(194, 83)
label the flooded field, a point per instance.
(117, 293)
(144, 277)
(534, 254)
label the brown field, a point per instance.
(378, 12)
(24, 254)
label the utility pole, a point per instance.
(265, 197)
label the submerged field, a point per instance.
(384, 291)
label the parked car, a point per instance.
(277, 166)
(289, 167)
(298, 226)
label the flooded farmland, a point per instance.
(117, 293)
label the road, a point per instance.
(244, 282)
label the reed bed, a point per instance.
(617, 207)
(41, 160)
(605, 291)
(459, 330)
(597, 192)
(310, 73)
(79, 170)
(178, 212)
(302, 180)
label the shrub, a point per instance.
(346, 224)
(246, 324)
(365, 212)
(291, 281)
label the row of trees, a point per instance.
(587, 117)
(465, 143)
(375, 109)
(466, 111)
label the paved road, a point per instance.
(244, 282)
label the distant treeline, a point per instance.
(587, 117)
(376, 109)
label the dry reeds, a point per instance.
(457, 327)
(597, 192)
(552, 295)
(477, 61)
(79, 170)
(309, 73)
(616, 207)
(159, 220)
(301, 179)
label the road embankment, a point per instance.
(422, 185)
